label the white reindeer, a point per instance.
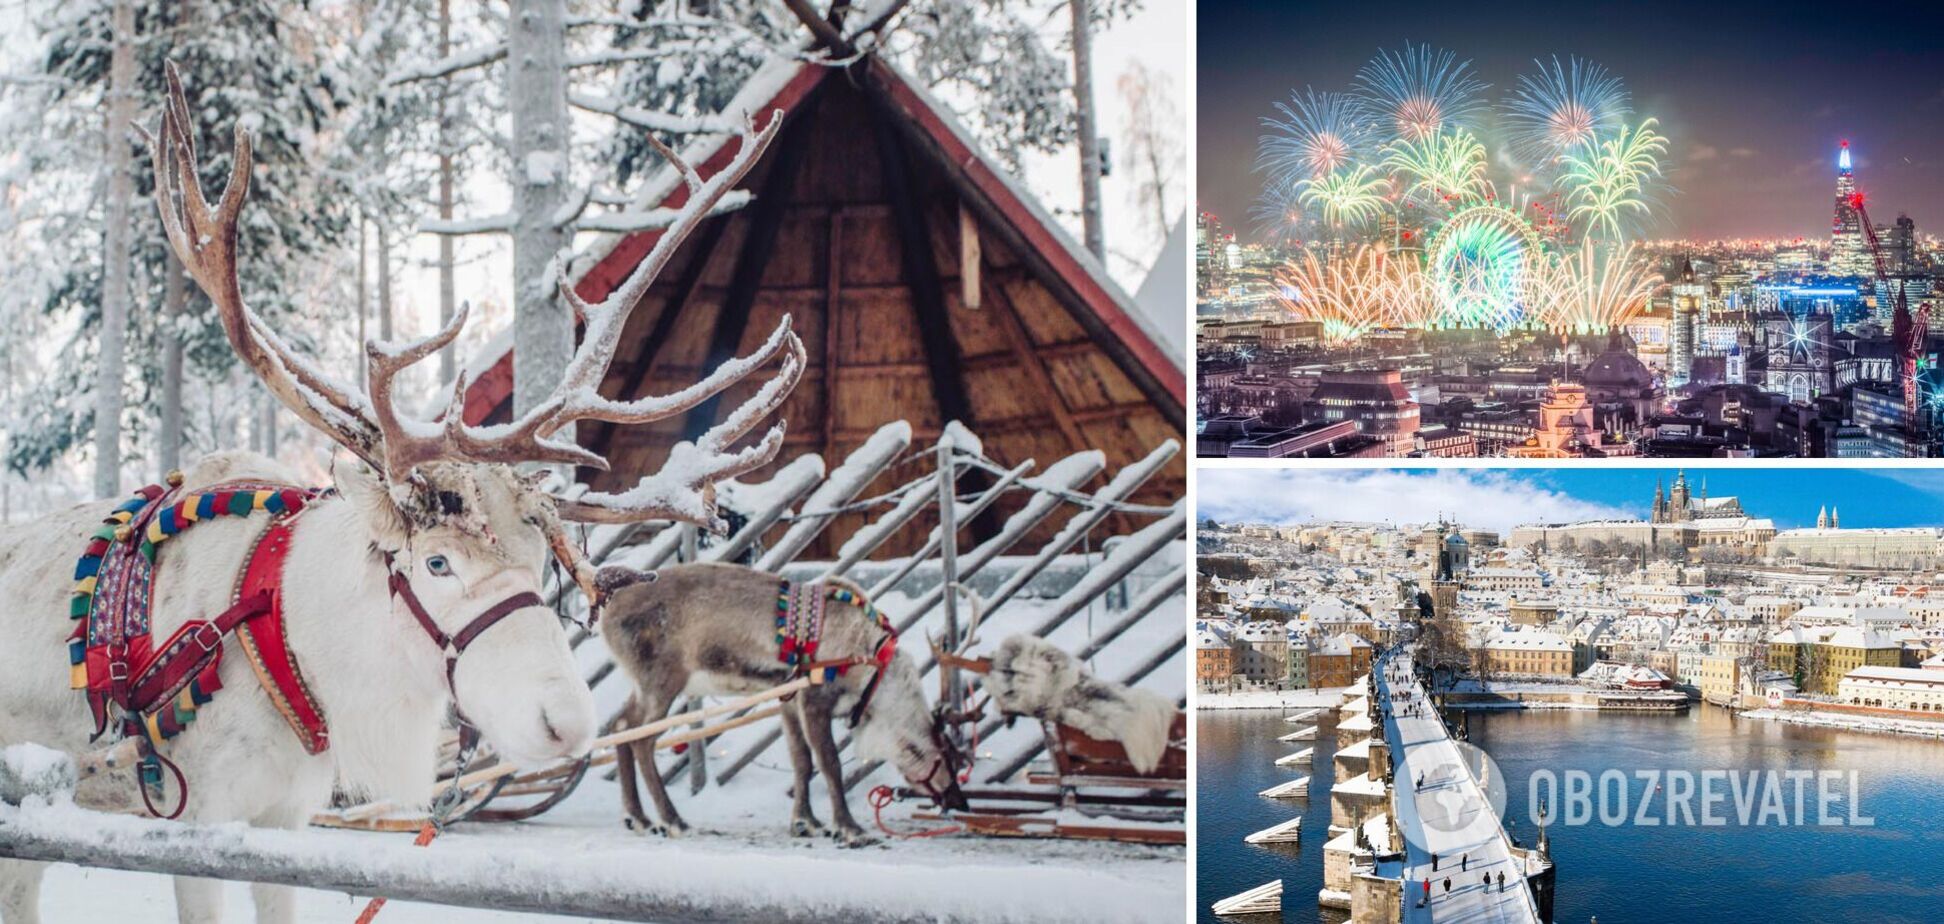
(441, 506)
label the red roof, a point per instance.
(1096, 293)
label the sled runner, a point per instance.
(1087, 789)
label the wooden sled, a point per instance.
(493, 791)
(1087, 790)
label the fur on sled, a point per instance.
(1033, 677)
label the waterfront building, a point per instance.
(1818, 657)
(1528, 653)
(1299, 658)
(1719, 679)
(1263, 652)
(1338, 661)
(1910, 689)
(1214, 660)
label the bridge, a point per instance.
(1449, 815)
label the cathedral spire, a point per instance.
(1822, 518)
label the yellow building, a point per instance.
(1818, 657)
(1718, 677)
(1529, 654)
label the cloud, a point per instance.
(1496, 500)
(1741, 152)
(1704, 152)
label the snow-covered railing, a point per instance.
(941, 607)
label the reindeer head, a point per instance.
(464, 535)
(898, 727)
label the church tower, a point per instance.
(1822, 518)
(1834, 522)
(1660, 502)
(1678, 501)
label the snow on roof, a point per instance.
(1898, 675)
(1159, 297)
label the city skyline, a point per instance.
(1501, 498)
(1755, 117)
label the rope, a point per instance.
(371, 909)
(882, 796)
(1029, 485)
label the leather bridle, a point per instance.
(452, 646)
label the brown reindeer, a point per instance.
(711, 629)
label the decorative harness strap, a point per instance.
(157, 690)
(800, 611)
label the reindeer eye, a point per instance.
(437, 565)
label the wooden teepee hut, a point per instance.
(926, 284)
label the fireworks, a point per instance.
(1351, 196)
(1608, 181)
(1278, 214)
(1317, 134)
(1370, 288)
(1592, 292)
(1420, 91)
(1562, 109)
(1442, 168)
(1478, 264)
(1407, 159)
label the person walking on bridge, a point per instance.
(1501, 880)
(1427, 892)
(1434, 861)
(1464, 863)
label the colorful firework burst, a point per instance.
(1317, 134)
(1440, 169)
(1278, 214)
(1607, 182)
(1348, 197)
(1420, 91)
(1351, 295)
(1478, 266)
(1561, 109)
(1590, 291)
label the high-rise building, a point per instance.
(1847, 251)
(1686, 326)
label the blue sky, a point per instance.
(1501, 498)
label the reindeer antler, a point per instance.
(369, 423)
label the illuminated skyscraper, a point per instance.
(1686, 326)
(1846, 252)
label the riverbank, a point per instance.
(1271, 699)
(1877, 725)
(1528, 696)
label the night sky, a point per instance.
(1753, 96)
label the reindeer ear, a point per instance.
(367, 494)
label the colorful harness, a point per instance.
(799, 632)
(157, 690)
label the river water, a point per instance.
(1891, 871)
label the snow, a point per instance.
(739, 877)
(30, 770)
(846, 482)
(545, 168)
(1859, 723)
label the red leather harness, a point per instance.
(158, 689)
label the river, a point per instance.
(1892, 871)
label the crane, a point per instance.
(1907, 334)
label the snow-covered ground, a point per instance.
(742, 826)
(1269, 699)
(1850, 722)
